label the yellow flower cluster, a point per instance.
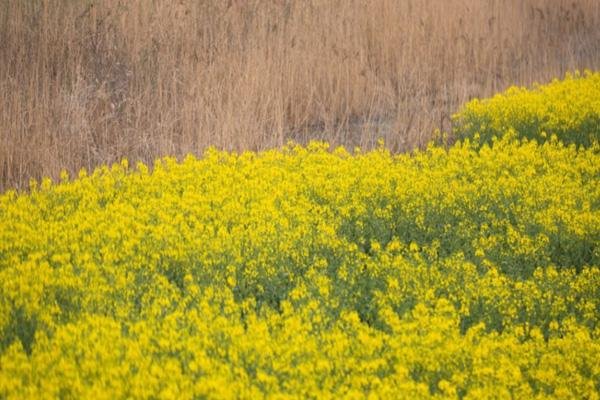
(308, 273)
(569, 109)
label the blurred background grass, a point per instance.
(83, 83)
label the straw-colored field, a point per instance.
(83, 82)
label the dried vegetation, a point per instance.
(83, 83)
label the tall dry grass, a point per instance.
(87, 82)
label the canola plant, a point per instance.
(568, 108)
(308, 272)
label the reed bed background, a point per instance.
(83, 83)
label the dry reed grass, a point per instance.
(84, 83)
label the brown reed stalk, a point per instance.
(88, 82)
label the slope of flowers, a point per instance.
(569, 109)
(308, 273)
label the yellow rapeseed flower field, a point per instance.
(308, 272)
(568, 108)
